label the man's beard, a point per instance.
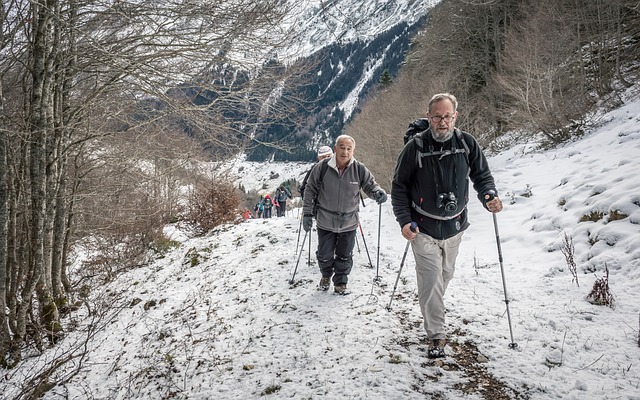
(438, 138)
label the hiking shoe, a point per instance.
(340, 289)
(324, 283)
(436, 348)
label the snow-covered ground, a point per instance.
(217, 318)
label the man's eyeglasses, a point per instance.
(438, 118)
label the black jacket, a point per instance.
(442, 168)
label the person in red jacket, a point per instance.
(246, 214)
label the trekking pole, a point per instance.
(377, 278)
(309, 256)
(513, 344)
(404, 256)
(365, 245)
(299, 229)
(291, 281)
(363, 239)
(358, 244)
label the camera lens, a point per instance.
(448, 201)
(451, 206)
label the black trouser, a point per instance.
(282, 209)
(335, 254)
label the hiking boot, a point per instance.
(340, 289)
(324, 283)
(436, 348)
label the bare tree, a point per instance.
(5, 341)
(457, 52)
(532, 76)
(561, 59)
(85, 75)
(514, 66)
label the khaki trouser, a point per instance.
(435, 264)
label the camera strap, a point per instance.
(419, 210)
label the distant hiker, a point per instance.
(431, 187)
(267, 204)
(246, 214)
(259, 208)
(281, 196)
(332, 195)
(323, 152)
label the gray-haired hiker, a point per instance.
(332, 194)
(431, 187)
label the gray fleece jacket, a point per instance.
(338, 196)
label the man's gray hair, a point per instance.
(346, 137)
(444, 96)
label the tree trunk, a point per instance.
(5, 333)
(36, 279)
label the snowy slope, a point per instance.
(319, 23)
(218, 319)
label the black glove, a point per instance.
(307, 222)
(490, 195)
(380, 196)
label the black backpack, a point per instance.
(415, 127)
(416, 130)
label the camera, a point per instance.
(448, 201)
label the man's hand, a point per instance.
(492, 202)
(307, 223)
(380, 196)
(410, 231)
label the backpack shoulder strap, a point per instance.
(464, 144)
(360, 172)
(420, 151)
(418, 140)
(323, 171)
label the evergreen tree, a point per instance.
(385, 79)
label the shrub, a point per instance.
(395, 359)
(568, 249)
(271, 389)
(616, 215)
(162, 244)
(211, 204)
(593, 216)
(600, 293)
